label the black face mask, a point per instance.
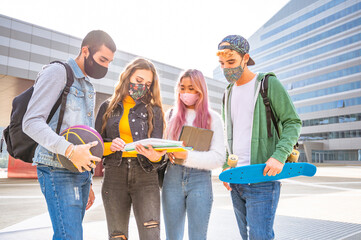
(94, 69)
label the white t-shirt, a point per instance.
(242, 108)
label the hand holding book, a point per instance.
(197, 138)
(150, 153)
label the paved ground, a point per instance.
(326, 206)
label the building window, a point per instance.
(328, 76)
(331, 135)
(321, 156)
(325, 91)
(331, 120)
(340, 104)
(329, 105)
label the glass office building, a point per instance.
(314, 47)
(25, 48)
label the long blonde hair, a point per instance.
(152, 97)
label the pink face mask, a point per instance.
(189, 99)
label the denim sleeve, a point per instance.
(47, 89)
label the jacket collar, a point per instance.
(76, 69)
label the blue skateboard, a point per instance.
(254, 173)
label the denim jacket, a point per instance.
(138, 122)
(79, 110)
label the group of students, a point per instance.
(135, 112)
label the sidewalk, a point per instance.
(326, 206)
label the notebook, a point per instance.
(197, 138)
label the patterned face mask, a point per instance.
(137, 91)
(233, 74)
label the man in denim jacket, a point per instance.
(67, 194)
(247, 137)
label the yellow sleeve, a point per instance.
(107, 150)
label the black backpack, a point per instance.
(269, 113)
(20, 145)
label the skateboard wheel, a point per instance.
(293, 157)
(232, 160)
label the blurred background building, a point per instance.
(25, 48)
(314, 48)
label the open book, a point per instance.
(158, 145)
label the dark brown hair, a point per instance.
(96, 38)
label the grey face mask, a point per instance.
(233, 74)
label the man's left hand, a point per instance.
(273, 167)
(91, 198)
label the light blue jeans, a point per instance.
(255, 208)
(66, 195)
(186, 191)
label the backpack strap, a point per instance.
(269, 113)
(62, 99)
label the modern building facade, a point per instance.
(25, 48)
(314, 47)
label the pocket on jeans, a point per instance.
(264, 187)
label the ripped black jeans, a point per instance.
(129, 184)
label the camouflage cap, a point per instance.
(238, 44)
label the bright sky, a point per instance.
(182, 33)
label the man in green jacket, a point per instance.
(245, 119)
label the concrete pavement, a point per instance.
(326, 206)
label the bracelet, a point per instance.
(71, 153)
(72, 149)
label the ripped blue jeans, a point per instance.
(66, 195)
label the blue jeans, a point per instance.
(255, 208)
(186, 190)
(66, 195)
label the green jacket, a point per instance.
(289, 123)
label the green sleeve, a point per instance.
(288, 120)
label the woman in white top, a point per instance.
(187, 187)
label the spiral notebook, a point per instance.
(197, 138)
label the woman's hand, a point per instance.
(226, 184)
(150, 153)
(91, 198)
(179, 155)
(117, 145)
